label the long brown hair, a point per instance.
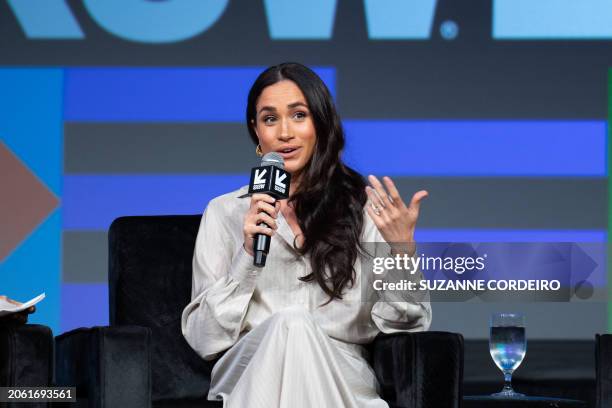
(330, 199)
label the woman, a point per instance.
(294, 329)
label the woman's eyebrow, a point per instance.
(268, 108)
(296, 104)
(290, 106)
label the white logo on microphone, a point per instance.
(259, 176)
(279, 180)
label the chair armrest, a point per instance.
(26, 353)
(110, 366)
(419, 370)
(603, 369)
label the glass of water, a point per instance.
(507, 345)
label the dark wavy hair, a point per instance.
(330, 198)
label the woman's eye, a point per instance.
(300, 115)
(269, 119)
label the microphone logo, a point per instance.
(278, 181)
(259, 178)
(271, 180)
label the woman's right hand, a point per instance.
(264, 209)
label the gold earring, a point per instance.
(258, 151)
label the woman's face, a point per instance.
(284, 124)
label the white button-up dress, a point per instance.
(285, 349)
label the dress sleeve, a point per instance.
(401, 312)
(224, 279)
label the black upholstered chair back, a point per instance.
(149, 285)
(603, 368)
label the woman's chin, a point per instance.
(292, 168)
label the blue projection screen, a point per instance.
(498, 108)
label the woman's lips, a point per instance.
(290, 154)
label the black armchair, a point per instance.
(603, 370)
(26, 358)
(142, 359)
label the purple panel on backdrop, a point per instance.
(84, 305)
(488, 235)
(588, 245)
(92, 202)
(477, 148)
(163, 94)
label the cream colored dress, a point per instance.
(285, 350)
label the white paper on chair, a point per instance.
(7, 308)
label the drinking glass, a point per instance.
(507, 345)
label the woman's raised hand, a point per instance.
(395, 221)
(264, 209)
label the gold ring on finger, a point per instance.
(376, 209)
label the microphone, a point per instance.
(269, 178)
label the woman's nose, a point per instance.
(285, 131)
(285, 137)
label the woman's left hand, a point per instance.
(395, 221)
